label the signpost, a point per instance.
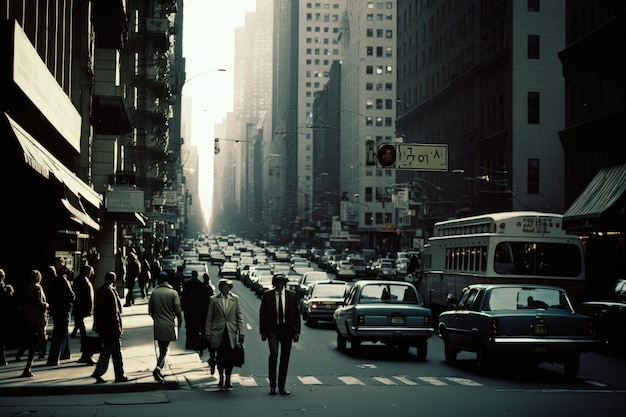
(413, 156)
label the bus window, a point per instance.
(503, 261)
(483, 259)
(472, 256)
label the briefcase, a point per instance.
(238, 355)
(91, 344)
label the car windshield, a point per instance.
(520, 298)
(317, 277)
(388, 293)
(329, 291)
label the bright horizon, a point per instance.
(208, 45)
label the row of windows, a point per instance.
(380, 33)
(318, 51)
(321, 5)
(380, 104)
(384, 52)
(378, 218)
(380, 4)
(379, 69)
(379, 17)
(472, 258)
(369, 86)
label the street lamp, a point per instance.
(200, 74)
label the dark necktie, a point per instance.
(280, 308)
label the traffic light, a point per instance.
(217, 146)
(386, 155)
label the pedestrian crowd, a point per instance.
(213, 320)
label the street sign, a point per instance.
(422, 157)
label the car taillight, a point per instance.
(494, 327)
(360, 319)
(427, 320)
(590, 329)
(313, 306)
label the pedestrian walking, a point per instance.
(35, 311)
(83, 306)
(7, 312)
(279, 325)
(224, 328)
(166, 312)
(195, 303)
(145, 276)
(133, 270)
(155, 270)
(61, 298)
(107, 322)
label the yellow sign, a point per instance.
(422, 157)
(388, 228)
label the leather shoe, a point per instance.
(27, 374)
(121, 379)
(158, 376)
(99, 379)
(212, 366)
(284, 392)
(272, 391)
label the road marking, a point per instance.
(431, 380)
(309, 380)
(385, 381)
(247, 381)
(405, 380)
(464, 381)
(348, 380)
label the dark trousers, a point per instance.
(164, 350)
(111, 348)
(59, 342)
(279, 336)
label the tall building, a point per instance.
(306, 42)
(484, 79)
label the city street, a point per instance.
(374, 382)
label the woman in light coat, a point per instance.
(224, 329)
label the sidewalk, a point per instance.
(139, 353)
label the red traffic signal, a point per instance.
(386, 155)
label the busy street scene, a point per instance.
(288, 207)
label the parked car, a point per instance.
(388, 311)
(358, 264)
(344, 270)
(228, 270)
(532, 322)
(609, 323)
(264, 283)
(321, 300)
(310, 277)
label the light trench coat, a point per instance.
(164, 307)
(219, 318)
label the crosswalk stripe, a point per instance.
(432, 381)
(464, 381)
(309, 380)
(405, 380)
(247, 381)
(385, 381)
(348, 380)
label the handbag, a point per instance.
(238, 355)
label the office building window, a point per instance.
(533, 47)
(533, 176)
(533, 108)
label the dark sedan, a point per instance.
(535, 323)
(321, 300)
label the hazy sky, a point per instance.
(208, 45)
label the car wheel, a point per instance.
(422, 350)
(483, 358)
(572, 365)
(341, 342)
(355, 345)
(450, 352)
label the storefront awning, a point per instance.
(602, 203)
(46, 164)
(79, 216)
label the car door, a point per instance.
(343, 315)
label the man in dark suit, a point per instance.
(280, 325)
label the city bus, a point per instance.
(509, 247)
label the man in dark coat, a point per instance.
(133, 270)
(195, 302)
(83, 304)
(279, 325)
(108, 324)
(61, 298)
